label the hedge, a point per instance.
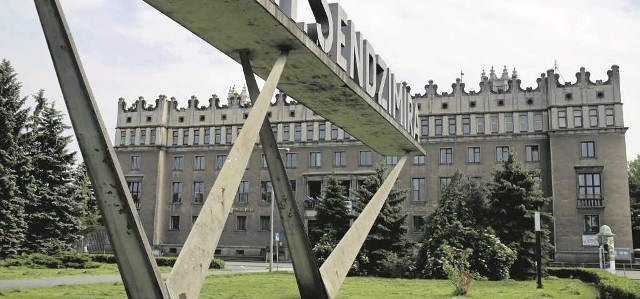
(609, 285)
(160, 260)
(54, 261)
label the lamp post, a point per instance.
(273, 198)
(538, 249)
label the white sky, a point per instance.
(128, 49)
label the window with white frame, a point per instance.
(524, 122)
(220, 159)
(366, 158)
(196, 136)
(495, 124)
(537, 122)
(174, 224)
(176, 192)
(562, 119)
(424, 127)
(466, 125)
(143, 136)
(589, 186)
(508, 123)
(391, 160)
(198, 163)
(419, 160)
(480, 124)
(241, 223)
(297, 132)
(577, 117)
(418, 189)
(185, 137)
(609, 117)
(135, 162)
(446, 155)
(132, 137)
(265, 191)
(340, 158)
(502, 153)
(591, 224)
(315, 159)
(178, 163)
(532, 153)
(135, 188)
(438, 126)
(198, 192)
(587, 149)
(243, 192)
(593, 117)
(309, 131)
(473, 155)
(291, 160)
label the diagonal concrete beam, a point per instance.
(337, 265)
(304, 263)
(136, 263)
(187, 276)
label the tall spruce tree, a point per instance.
(514, 197)
(84, 193)
(634, 198)
(388, 234)
(53, 214)
(333, 216)
(12, 162)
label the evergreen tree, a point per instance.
(634, 198)
(12, 192)
(333, 216)
(514, 198)
(388, 234)
(54, 213)
(455, 223)
(91, 217)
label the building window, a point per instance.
(438, 126)
(592, 224)
(315, 159)
(424, 127)
(587, 149)
(135, 162)
(524, 123)
(334, 132)
(466, 125)
(218, 136)
(340, 159)
(309, 131)
(473, 155)
(198, 163)
(265, 223)
(589, 186)
(562, 119)
(198, 192)
(285, 132)
(152, 139)
(446, 155)
(365, 158)
(241, 223)
(185, 137)
(196, 136)
(577, 118)
(193, 219)
(480, 124)
(264, 161)
(265, 191)
(123, 137)
(178, 163)
(132, 137)
(495, 125)
(220, 159)
(207, 136)
(532, 153)
(444, 182)
(297, 132)
(608, 117)
(143, 136)
(174, 223)
(418, 189)
(537, 122)
(176, 192)
(502, 153)
(291, 160)
(346, 135)
(452, 125)
(243, 192)
(508, 123)
(174, 140)
(228, 135)
(321, 132)
(593, 117)
(293, 185)
(391, 160)
(419, 160)
(418, 223)
(135, 188)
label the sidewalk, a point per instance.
(231, 268)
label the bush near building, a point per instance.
(610, 286)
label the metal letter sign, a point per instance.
(330, 68)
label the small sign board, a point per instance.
(623, 254)
(590, 240)
(277, 236)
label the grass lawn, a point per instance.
(24, 272)
(282, 285)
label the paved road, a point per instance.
(230, 268)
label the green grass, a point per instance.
(282, 285)
(24, 272)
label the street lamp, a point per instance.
(538, 249)
(273, 197)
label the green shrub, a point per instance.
(456, 266)
(54, 261)
(610, 286)
(395, 266)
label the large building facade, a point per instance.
(573, 133)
